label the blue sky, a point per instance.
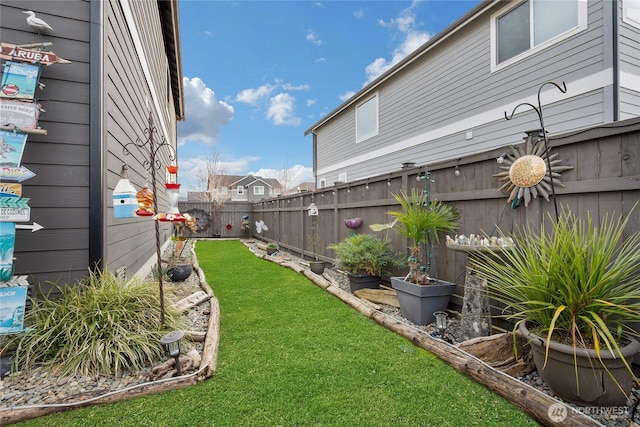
(257, 74)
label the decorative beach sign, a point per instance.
(21, 114)
(7, 242)
(12, 303)
(19, 80)
(11, 147)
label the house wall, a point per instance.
(59, 192)
(94, 107)
(629, 48)
(448, 104)
(604, 180)
(135, 84)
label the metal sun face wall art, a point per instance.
(525, 174)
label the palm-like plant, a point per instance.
(578, 282)
(421, 222)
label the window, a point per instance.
(322, 183)
(240, 189)
(342, 177)
(258, 190)
(631, 12)
(533, 25)
(367, 119)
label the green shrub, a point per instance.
(102, 325)
(365, 254)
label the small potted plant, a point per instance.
(574, 291)
(272, 248)
(365, 258)
(421, 221)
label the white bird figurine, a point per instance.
(36, 23)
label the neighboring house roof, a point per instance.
(235, 180)
(422, 50)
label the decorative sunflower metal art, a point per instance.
(525, 172)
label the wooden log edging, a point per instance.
(542, 407)
(206, 369)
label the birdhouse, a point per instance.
(313, 209)
(125, 202)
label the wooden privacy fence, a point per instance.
(605, 178)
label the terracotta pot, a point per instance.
(592, 386)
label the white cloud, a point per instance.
(405, 24)
(296, 174)
(347, 95)
(289, 86)
(313, 38)
(252, 96)
(311, 102)
(281, 110)
(321, 60)
(359, 14)
(204, 113)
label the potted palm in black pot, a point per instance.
(365, 258)
(574, 292)
(421, 222)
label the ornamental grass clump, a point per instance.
(577, 284)
(101, 325)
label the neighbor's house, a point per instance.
(448, 99)
(125, 67)
(240, 188)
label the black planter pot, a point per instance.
(271, 251)
(593, 385)
(317, 266)
(360, 281)
(419, 302)
(179, 273)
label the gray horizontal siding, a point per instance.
(131, 242)
(59, 192)
(454, 85)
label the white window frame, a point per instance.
(258, 190)
(360, 110)
(631, 12)
(342, 177)
(240, 189)
(322, 183)
(582, 25)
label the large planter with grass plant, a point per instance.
(421, 221)
(578, 286)
(594, 379)
(365, 258)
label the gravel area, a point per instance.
(39, 388)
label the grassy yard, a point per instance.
(292, 355)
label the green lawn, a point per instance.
(292, 355)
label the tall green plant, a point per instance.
(421, 222)
(577, 282)
(102, 325)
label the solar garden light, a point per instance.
(171, 341)
(441, 322)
